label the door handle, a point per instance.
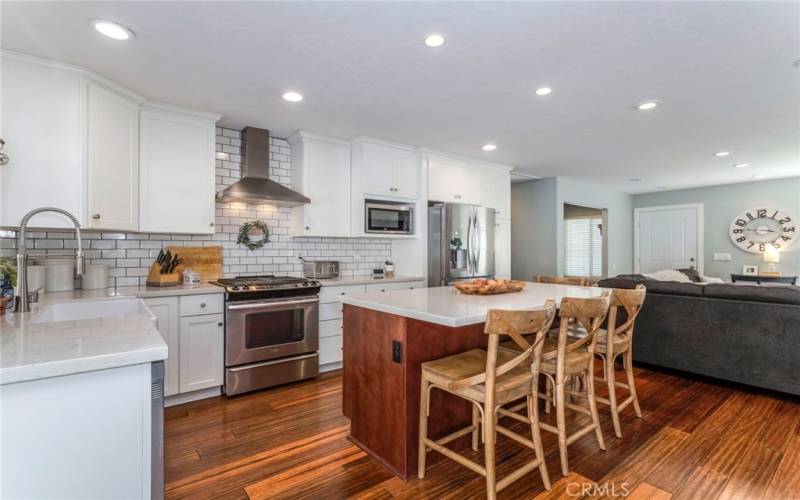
(271, 305)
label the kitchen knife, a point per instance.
(160, 258)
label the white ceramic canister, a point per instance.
(36, 278)
(60, 275)
(95, 277)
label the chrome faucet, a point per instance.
(22, 303)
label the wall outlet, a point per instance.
(397, 351)
(722, 257)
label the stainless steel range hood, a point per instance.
(255, 185)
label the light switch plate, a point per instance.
(724, 257)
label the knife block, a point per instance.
(155, 278)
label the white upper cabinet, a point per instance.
(321, 171)
(43, 123)
(176, 165)
(496, 191)
(502, 249)
(453, 181)
(385, 170)
(113, 160)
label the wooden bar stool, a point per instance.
(489, 379)
(621, 344)
(562, 280)
(567, 358)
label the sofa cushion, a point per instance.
(692, 274)
(776, 294)
(622, 281)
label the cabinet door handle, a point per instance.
(219, 324)
(96, 216)
(342, 293)
(211, 224)
(307, 228)
(202, 304)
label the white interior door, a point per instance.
(669, 238)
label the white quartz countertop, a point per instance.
(31, 350)
(447, 306)
(360, 280)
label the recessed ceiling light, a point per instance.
(720, 154)
(292, 96)
(543, 91)
(759, 176)
(636, 179)
(111, 29)
(435, 40)
(489, 147)
(646, 105)
(741, 165)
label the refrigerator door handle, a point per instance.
(477, 242)
(469, 247)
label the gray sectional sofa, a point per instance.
(748, 334)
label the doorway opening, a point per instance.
(585, 241)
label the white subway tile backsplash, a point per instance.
(129, 255)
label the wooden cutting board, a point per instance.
(205, 260)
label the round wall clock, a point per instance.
(759, 229)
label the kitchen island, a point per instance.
(387, 336)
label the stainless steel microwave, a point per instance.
(382, 217)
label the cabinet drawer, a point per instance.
(383, 287)
(330, 350)
(193, 305)
(330, 310)
(332, 293)
(330, 328)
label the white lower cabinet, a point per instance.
(166, 311)
(202, 350)
(193, 328)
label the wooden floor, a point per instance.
(698, 439)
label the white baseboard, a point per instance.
(179, 399)
(330, 367)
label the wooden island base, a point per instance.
(381, 395)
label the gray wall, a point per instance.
(537, 224)
(721, 205)
(534, 213)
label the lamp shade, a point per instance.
(772, 256)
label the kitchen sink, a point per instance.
(92, 309)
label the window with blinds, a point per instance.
(583, 240)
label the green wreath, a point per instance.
(252, 229)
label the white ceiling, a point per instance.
(722, 69)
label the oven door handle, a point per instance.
(262, 305)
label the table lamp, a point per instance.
(772, 257)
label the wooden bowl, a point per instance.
(491, 287)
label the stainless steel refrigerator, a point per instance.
(460, 243)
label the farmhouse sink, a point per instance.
(92, 309)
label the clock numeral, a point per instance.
(738, 231)
(776, 245)
(740, 239)
(762, 212)
(785, 220)
(741, 222)
(762, 247)
(786, 238)
(750, 216)
(789, 229)
(751, 245)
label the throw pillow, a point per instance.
(669, 275)
(692, 274)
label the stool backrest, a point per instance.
(562, 280)
(631, 302)
(588, 313)
(515, 324)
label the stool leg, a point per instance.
(476, 422)
(598, 431)
(490, 436)
(608, 369)
(533, 415)
(627, 361)
(561, 424)
(423, 425)
(549, 393)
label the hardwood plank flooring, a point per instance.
(697, 439)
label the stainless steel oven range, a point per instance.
(271, 331)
